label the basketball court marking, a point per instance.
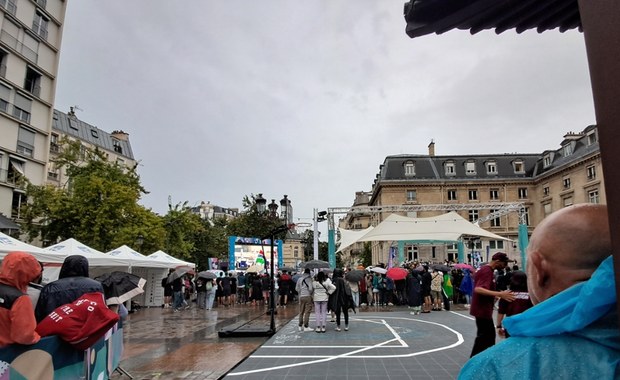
(352, 354)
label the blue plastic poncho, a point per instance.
(572, 335)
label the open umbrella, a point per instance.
(119, 287)
(441, 267)
(207, 275)
(256, 268)
(355, 275)
(178, 273)
(397, 273)
(378, 270)
(288, 269)
(463, 266)
(296, 277)
(315, 264)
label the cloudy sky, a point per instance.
(225, 99)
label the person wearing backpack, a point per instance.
(305, 288)
(437, 289)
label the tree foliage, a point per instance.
(98, 205)
(253, 223)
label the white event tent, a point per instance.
(9, 244)
(152, 271)
(446, 227)
(173, 262)
(350, 237)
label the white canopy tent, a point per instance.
(134, 258)
(350, 237)
(446, 227)
(95, 258)
(173, 262)
(9, 244)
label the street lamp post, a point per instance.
(319, 216)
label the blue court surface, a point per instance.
(378, 345)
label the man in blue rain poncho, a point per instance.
(572, 331)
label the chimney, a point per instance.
(120, 135)
(431, 149)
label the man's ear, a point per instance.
(541, 269)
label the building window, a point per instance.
(19, 199)
(470, 168)
(412, 252)
(593, 196)
(495, 222)
(73, 124)
(15, 171)
(25, 142)
(496, 244)
(567, 201)
(473, 195)
(519, 167)
(566, 182)
(547, 161)
(411, 195)
(547, 208)
(39, 25)
(592, 138)
(522, 191)
(491, 167)
(117, 146)
(52, 171)
(434, 252)
(94, 133)
(54, 146)
(451, 195)
(494, 194)
(3, 58)
(409, 168)
(567, 150)
(41, 3)
(32, 83)
(546, 191)
(527, 216)
(473, 215)
(591, 172)
(9, 6)
(21, 108)
(449, 167)
(5, 95)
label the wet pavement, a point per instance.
(385, 342)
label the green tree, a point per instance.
(366, 256)
(183, 230)
(98, 205)
(253, 223)
(212, 242)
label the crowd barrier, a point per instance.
(53, 358)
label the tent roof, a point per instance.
(95, 258)
(350, 237)
(9, 244)
(135, 258)
(439, 16)
(163, 257)
(446, 227)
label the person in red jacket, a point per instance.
(17, 321)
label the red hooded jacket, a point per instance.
(17, 321)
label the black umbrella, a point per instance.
(315, 264)
(119, 287)
(442, 267)
(207, 275)
(288, 269)
(355, 275)
(178, 273)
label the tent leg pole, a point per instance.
(123, 372)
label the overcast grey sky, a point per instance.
(227, 98)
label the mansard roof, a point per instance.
(72, 126)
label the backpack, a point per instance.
(436, 282)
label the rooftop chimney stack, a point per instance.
(431, 149)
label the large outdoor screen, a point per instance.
(244, 252)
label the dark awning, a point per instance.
(7, 224)
(439, 16)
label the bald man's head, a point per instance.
(566, 248)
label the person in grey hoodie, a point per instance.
(305, 288)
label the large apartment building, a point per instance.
(30, 39)
(474, 184)
(115, 145)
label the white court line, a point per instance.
(463, 315)
(459, 341)
(310, 362)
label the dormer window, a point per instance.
(449, 168)
(592, 138)
(518, 166)
(409, 168)
(117, 146)
(470, 168)
(491, 167)
(567, 150)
